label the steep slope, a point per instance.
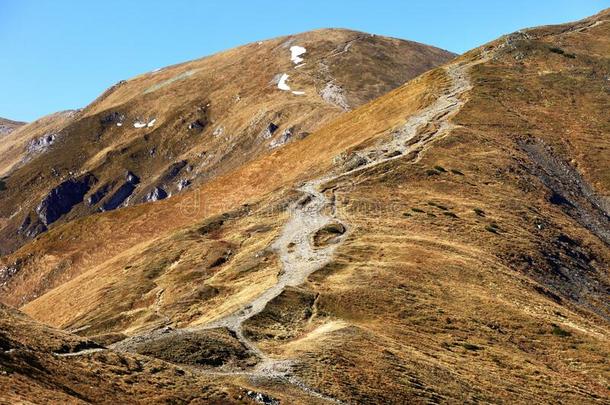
(446, 242)
(157, 134)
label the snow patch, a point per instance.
(140, 124)
(282, 85)
(282, 82)
(296, 52)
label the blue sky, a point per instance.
(60, 54)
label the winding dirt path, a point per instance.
(313, 211)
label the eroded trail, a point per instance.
(314, 211)
(295, 247)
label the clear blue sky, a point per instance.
(61, 54)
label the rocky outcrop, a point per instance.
(283, 139)
(40, 145)
(123, 193)
(98, 194)
(268, 132)
(155, 195)
(63, 197)
(173, 170)
(31, 226)
(334, 94)
(114, 118)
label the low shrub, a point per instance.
(557, 331)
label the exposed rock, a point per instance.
(6, 272)
(350, 161)
(31, 226)
(63, 197)
(173, 170)
(197, 125)
(99, 194)
(155, 195)
(122, 194)
(262, 398)
(114, 118)
(132, 178)
(329, 234)
(40, 145)
(182, 184)
(218, 131)
(334, 94)
(282, 139)
(268, 132)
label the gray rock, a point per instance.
(123, 193)
(63, 197)
(282, 139)
(268, 132)
(155, 195)
(184, 183)
(40, 145)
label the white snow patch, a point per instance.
(296, 52)
(282, 83)
(301, 65)
(119, 124)
(140, 124)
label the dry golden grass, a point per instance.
(461, 279)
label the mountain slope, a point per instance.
(157, 134)
(446, 242)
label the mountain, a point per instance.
(154, 135)
(445, 242)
